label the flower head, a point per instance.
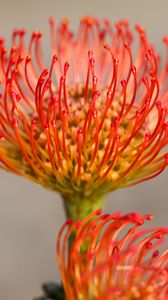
(111, 258)
(95, 120)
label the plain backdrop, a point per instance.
(30, 216)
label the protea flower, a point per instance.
(111, 258)
(95, 120)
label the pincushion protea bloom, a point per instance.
(111, 258)
(94, 121)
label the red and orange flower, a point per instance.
(111, 258)
(95, 120)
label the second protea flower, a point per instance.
(111, 258)
(94, 121)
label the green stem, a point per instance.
(77, 209)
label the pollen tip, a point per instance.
(22, 31)
(155, 253)
(126, 45)
(105, 216)
(40, 34)
(166, 158)
(4, 50)
(69, 221)
(116, 61)
(165, 40)
(28, 58)
(147, 101)
(79, 131)
(46, 126)
(98, 212)
(165, 125)
(106, 46)
(44, 72)
(65, 22)
(133, 69)
(106, 22)
(145, 80)
(116, 215)
(51, 21)
(139, 28)
(148, 245)
(53, 123)
(136, 218)
(62, 79)
(13, 95)
(149, 217)
(15, 122)
(54, 58)
(2, 40)
(147, 136)
(96, 94)
(123, 83)
(160, 235)
(158, 104)
(78, 224)
(88, 21)
(20, 58)
(66, 67)
(33, 122)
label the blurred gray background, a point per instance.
(30, 216)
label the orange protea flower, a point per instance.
(111, 258)
(94, 121)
